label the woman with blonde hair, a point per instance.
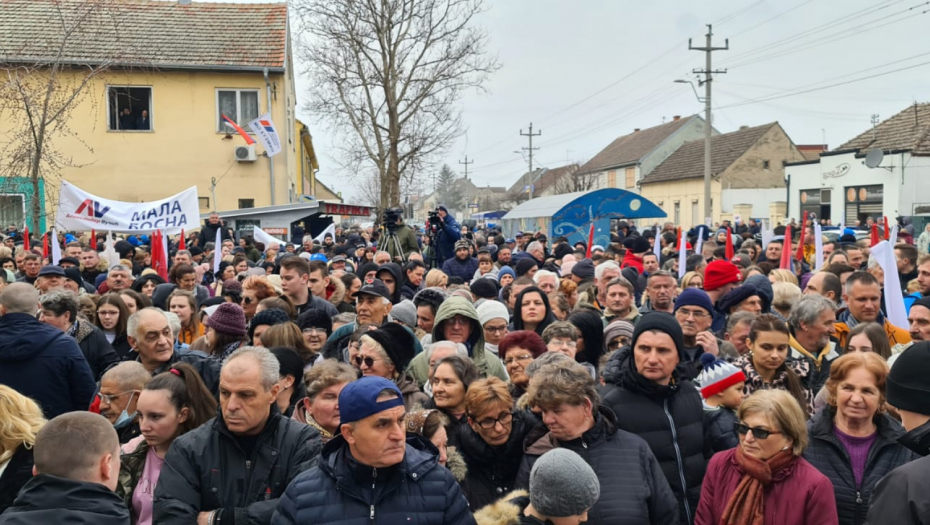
(692, 280)
(435, 278)
(20, 421)
(289, 335)
(765, 479)
(779, 275)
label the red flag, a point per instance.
(785, 263)
(887, 230)
(590, 241)
(93, 239)
(678, 239)
(159, 257)
(182, 244)
(729, 245)
(800, 254)
(45, 245)
(229, 121)
(874, 237)
(26, 238)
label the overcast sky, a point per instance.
(588, 72)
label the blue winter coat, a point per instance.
(339, 490)
(449, 234)
(42, 362)
(465, 269)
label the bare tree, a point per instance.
(42, 82)
(575, 181)
(386, 75)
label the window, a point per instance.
(246, 203)
(611, 179)
(695, 213)
(630, 177)
(765, 164)
(204, 203)
(12, 208)
(240, 105)
(677, 212)
(129, 108)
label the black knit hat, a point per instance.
(562, 250)
(660, 322)
(315, 318)
(909, 381)
(270, 317)
(484, 288)
(736, 296)
(523, 266)
(397, 342)
(583, 269)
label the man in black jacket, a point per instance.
(651, 400)
(901, 496)
(234, 468)
(77, 469)
(59, 308)
(208, 231)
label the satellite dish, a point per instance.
(874, 158)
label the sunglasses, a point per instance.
(758, 433)
(369, 362)
(246, 300)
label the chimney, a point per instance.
(635, 130)
(676, 117)
(741, 128)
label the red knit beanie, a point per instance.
(720, 273)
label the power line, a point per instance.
(530, 135)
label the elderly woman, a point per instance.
(320, 409)
(573, 418)
(765, 479)
(438, 351)
(450, 382)
(430, 424)
(618, 334)
(386, 352)
(492, 442)
(255, 288)
(852, 442)
(785, 298)
(517, 351)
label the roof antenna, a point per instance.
(874, 123)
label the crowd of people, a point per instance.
(461, 377)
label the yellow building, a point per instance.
(183, 66)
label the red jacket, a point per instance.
(800, 495)
(630, 259)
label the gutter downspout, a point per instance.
(270, 159)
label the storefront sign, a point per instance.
(276, 231)
(837, 172)
(345, 209)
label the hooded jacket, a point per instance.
(827, 454)
(901, 496)
(449, 233)
(206, 469)
(492, 471)
(488, 364)
(42, 362)
(48, 499)
(633, 489)
(339, 490)
(668, 417)
(395, 272)
(98, 352)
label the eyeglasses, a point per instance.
(459, 320)
(496, 329)
(561, 342)
(108, 398)
(368, 361)
(697, 314)
(758, 433)
(314, 329)
(518, 358)
(504, 419)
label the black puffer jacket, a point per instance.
(48, 499)
(901, 496)
(206, 469)
(342, 491)
(827, 454)
(669, 418)
(633, 489)
(719, 432)
(95, 347)
(492, 471)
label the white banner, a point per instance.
(82, 211)
(267, 134)
(260, 235)
(818, 248)
(331, 229)
(894, 299)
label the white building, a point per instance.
(840, 186)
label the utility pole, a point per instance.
(708, 71)
(466, 163)
(531, 148)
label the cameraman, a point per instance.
(449, 234)
(406, 239)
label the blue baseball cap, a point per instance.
(359, 399)
(318, 257)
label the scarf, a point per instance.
(803, 351)
(745, 506)
(325, 435)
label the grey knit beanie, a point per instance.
(562, 484)
(405, 312)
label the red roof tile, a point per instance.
(629, 149)
(908, 130)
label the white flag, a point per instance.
(818, 248)
(109, 253)
(682, 256)
(218, 252)
(657, 246)
(700, 240)
(56, 248)
(894, 299)
(267, 134)
(331, 229)
(263, 237)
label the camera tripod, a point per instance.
(390, 239)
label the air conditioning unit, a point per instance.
(245, 153)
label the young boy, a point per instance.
(722, 389)
(485, 266)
